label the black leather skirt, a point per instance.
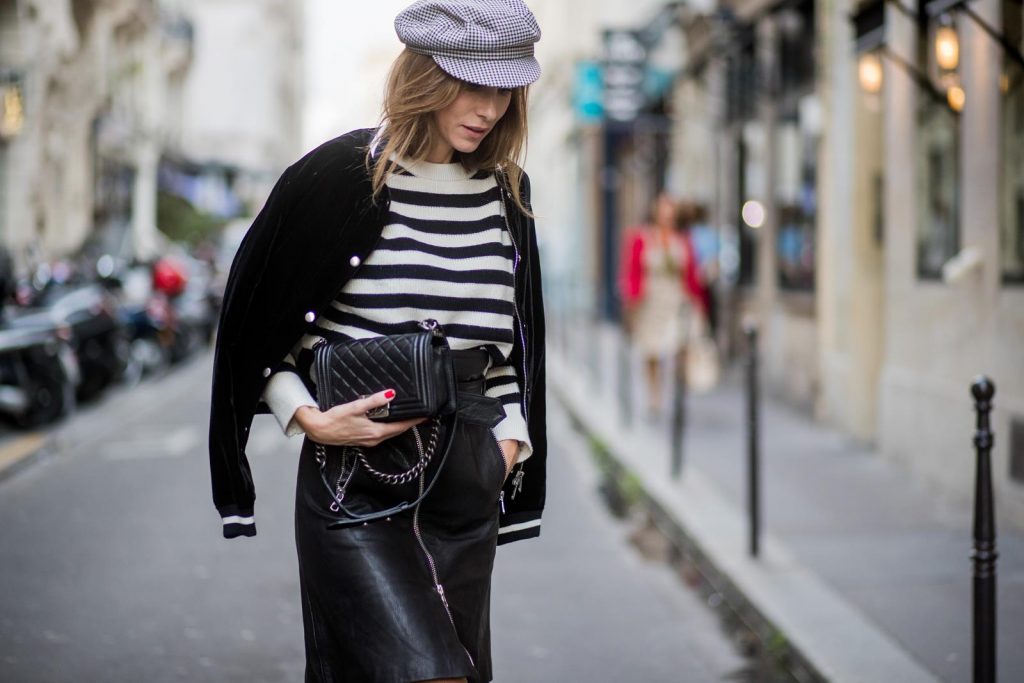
(407, 598)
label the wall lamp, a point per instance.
(940, 8)
(12, 105)
(869, 30)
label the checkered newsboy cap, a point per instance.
(486, 42)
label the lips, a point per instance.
(475, 131)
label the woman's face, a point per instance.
(665, 211)
(464, 123)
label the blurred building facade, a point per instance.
(90, 94)
(866, 193)
(243, 96)
(108, 103)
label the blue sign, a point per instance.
(588, 92)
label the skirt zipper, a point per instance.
(504, 467)
(433, 565)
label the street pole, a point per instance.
(678, 412)
(753, 441)
(984, 554)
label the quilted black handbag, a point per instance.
(418, 367)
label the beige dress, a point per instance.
(664, 316)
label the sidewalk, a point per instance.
(866, 573)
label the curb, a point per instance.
(18, 452)
(821, 633)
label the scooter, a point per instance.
(97, 337)
(38, 367)
(38, 374)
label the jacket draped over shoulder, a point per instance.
(318, 224)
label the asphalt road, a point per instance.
(112, 567)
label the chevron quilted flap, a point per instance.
(417, 366)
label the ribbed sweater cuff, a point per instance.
(513, 426)
(284, 394)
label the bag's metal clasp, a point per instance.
(382, 411)
(431, 325)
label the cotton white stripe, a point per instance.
(404, 182)
(235, 519)
(518, 527)
(443, 213)
(380, 257)
(396, 231)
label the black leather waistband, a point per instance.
(470, 366)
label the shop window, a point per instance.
(796, 148)
(1012, 199)
(938, 168)
(740, 109)
(796, 194)
(752, 193)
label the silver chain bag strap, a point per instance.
(418, 367)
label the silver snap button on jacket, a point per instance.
(354, 261)
(266, 372)
(310, 316)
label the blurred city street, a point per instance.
(782, 245)
(851, 552)
(114, 568)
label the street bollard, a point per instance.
(678, 412)
(753, 440)
(984, 554)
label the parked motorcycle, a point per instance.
(38, 368)
(89, 311)
(38, 372)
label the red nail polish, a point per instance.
(389, 394)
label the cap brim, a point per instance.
(497, 73)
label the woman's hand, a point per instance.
(510, 451)
(347, 424)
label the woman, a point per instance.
(426, 217)
(661, 291)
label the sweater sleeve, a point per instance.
(501, 383)
(285, 393)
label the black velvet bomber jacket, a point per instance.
(318, 225)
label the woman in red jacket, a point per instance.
(661, 290)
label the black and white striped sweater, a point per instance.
(445, 254)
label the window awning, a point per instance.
(869, 25)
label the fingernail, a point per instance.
(389, 394)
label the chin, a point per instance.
(467, 146)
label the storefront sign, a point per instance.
(588, 93)
(625, 68)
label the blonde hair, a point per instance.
(417, 88)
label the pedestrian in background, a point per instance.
(661, 291)
(425, 217)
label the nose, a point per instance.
(487, 107)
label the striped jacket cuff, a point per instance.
(518, 527)
(237, 521)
